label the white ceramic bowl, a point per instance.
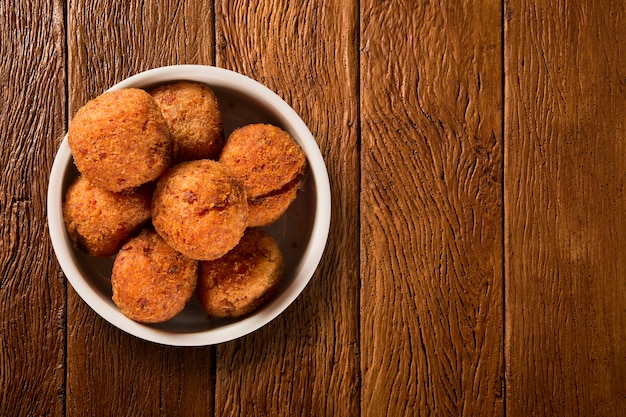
(302, 232)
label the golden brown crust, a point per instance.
(265, 210)
(200, 209)
(264, 156)
(120, 140)
(98, 221)
(152, 282)
(193, 116)
(244, 279)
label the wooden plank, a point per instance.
(32, 290)
(306, 361)
(565, 208)
(108, 371)
(431, 209)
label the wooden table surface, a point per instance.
(476, 263)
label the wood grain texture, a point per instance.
(111, 41)
(110, 372)
(32, 290)
(476, 261)
(306, 361)
(565, 209)
(431, 212)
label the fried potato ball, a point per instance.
(244, 279)
(264, 156)
(120, 140)
(263, 211)
(193, 116)
(152, 282)
(99, 221)
(200, 209)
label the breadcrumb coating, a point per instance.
(120, 140)
(244, 279)
(192, 113)
(152, 282)
(200, 208)
(264, 156)
(99, 221)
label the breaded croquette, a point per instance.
(263, 211)
(272, 166)
(98, 221)
(152, 282)
(193, 116)
(264, 156)
(244, 279)
(120, 140)
(200, 209)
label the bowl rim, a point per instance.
(291, 121)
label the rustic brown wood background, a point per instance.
(476, 264)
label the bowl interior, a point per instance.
(300, 231)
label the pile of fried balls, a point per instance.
(179, 206)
